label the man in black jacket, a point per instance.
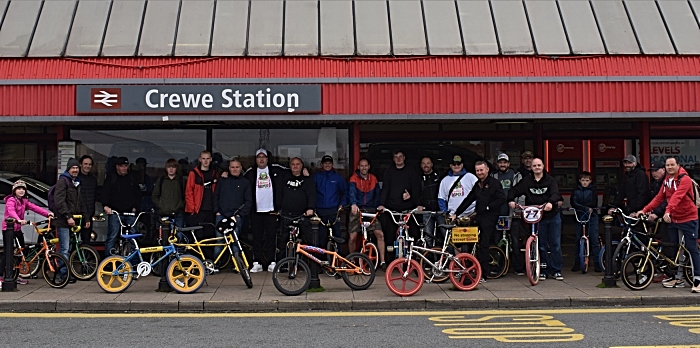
(67, 203)
(297, 196)
(120, 193)
(430, 183)
(88, 191)
(634, 186)
(232, 198)
(490, 198)
(400, 191)
(540, 188)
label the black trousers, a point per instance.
(206, 217)
(519, 233)
(487, 229)
(264, 227)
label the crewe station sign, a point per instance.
(198, 99)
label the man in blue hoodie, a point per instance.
(331, 195)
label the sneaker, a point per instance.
(382, 266)
(673, 283)
(482, 281)
(256, 268)
(696, 286)
(22, 281)
(543, 276)
(520, 273)
(271, 267)
(576, 268)
(558, 276)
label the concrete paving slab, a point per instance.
(240, 306)
(153, 306)
(27, 306)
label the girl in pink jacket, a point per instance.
(16, 205)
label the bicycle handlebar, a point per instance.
(576, 214)
(627, 219)
(403, 219)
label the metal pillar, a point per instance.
(609, 278)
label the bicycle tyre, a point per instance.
(582, 257)
(34, 263)
(16, 264)
(371, 251)
(397, 283)
(619, 256)
(601, 254)
(467, 274)
(291, 249)
(532, 263)
(363, 279)
(152, 258)
(111, 282)
(296, 273)
(186, 274)
(243, 269)
(498, 261)
(433, 274)
(85, 267)
(687, 268)
(53, 277)
(633, 278)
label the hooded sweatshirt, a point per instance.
(634, 187)
(364, 192)
(679, 195)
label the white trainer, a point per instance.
(256, 268)
(271, 267)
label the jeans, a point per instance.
(237, 231)
(114, 231)
(690, 233)
(63, 246)
(593, 243)
(550, 240)
(431, 222)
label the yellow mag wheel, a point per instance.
(114, 275)
(186, 275)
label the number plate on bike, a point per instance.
(503, 223)
(465, 234)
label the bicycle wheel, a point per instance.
(370, 250)
(582, 257)
(34, 262)
(632, 274)
(404, 278)
(83, 262)
(622, 251)
(243, 270)
(52, 269)
(17, 261)
(498, 261)
(152, 258)
(532, 263)
(465, 271)
(294, 280)
(362, 279)
(435, 274)
(114, 274)
(687, 268)
(186, 274)
(601, 255)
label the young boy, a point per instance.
(585, 199)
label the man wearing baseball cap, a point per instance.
(634, 186)
(526, 163)
(509, 178)
(120, 193)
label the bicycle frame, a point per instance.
(441, 265)
(402, 230)
(308, 251)
(141, 269)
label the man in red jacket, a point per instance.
(199, 193)
(682, 216)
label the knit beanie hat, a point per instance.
(72, 162)
(18, 184)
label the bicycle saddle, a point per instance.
(338, 240)
(131, 236)
(448, 226)
(193, 228)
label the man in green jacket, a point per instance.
(169, 193)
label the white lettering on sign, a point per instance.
(175, 101)
(602, 147)
(260, 99)
(562, 148)
(685, 151)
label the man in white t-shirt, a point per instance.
(263, 180)
(455, 187)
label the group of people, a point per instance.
(267, 196)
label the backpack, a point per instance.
(51, 201)
(696, 190)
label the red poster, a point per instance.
(565, 149)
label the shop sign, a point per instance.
(686, 151)
(194, 99)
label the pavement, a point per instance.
(226, 292)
